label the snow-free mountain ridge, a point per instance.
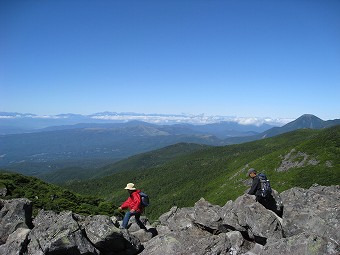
(13, 122)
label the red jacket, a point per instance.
(133, 202)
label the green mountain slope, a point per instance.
(298, 158)
(51, 197)
(139, 161)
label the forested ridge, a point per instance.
(296, 159)
(174, 177)
(52, 197)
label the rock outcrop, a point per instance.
(14, 214)
(63, 233)
(309, 225)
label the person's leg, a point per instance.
(138, 221)
(261, 200)
(126, 219)
(273, 206)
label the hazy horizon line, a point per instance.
(156, 118)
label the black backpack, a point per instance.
(266, 189)
(145, 201)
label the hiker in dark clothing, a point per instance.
(255, 186)
(268, 201)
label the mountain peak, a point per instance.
(304, 121)
(309, 117)
(307, 121)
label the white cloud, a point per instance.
(259, 121)
(199, 119)
(192, 119)
(47, 117)
(7, 117)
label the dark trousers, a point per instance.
(269, 203)
(137, 218)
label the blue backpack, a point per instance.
(145, 201)
(266, 189)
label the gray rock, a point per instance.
(14, 214)
(256, 250)
(184, 241)
(208, 216)
(143, 235)
(238, 244)
(178, 218)
(16, 242)
(195, 241)
(63, 233)
(210, 245)
(163, 230)
(163, 244)
(314, 211)
(200, 229)
(310, 223)
(277, 204)
(194, 231)
(251, 217)
(301, 244)
(101, 232)
(132, 244)
(227, 208)
(105, 236)
(134, 226)
(58, 234)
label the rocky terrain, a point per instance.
(309, 225)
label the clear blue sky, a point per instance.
(241, 58)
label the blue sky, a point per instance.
(232, 58)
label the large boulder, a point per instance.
(197, 230)
(184, 241)
(314, 210)
(14, 214)
(16, 242)
(208, 216)
(301, 244)
(106, 237)
(163, 244)
(58, 234)
(253, 220)
(143, 235)
(196, 241)
(178, 218)
(64, 233)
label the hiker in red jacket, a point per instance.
(133, 203)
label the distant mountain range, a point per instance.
(13, 122)
(305, 121)
(92, 145)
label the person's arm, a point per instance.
(254, 186)
(126, 204)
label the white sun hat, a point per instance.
(130, 186)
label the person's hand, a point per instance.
(132, 210)
(120, 209)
